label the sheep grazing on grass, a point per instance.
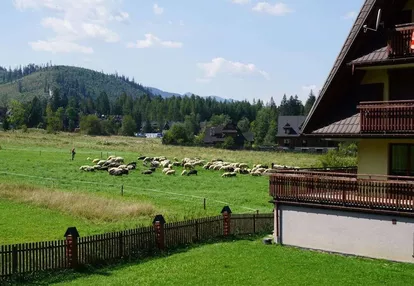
(118, 171)
(87, 168)
(140, 158)
(165, 170)
(184, 173)
(188, 166)
(192, 172)
(155, 164)
(95, 161)
(152, 169)
(176, 164)
(229, 174)
(256, 174)
(146, 172)
(170, 172)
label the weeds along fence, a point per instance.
(74, 251)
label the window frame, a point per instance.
(410, 167)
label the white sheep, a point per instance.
(170, 172)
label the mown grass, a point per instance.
(42, 161)
(245, 262)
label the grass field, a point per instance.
(38, 181)
(246, 262)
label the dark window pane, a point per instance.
(399, 160)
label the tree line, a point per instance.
(127, 115)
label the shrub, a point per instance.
(24, 128)
(228, 142)
(335, 158)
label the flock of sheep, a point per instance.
(116, 166)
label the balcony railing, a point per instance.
(387, 116)
(399, 41)
(345, 190)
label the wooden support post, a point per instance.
(226, 212)
(204, 203)
(122, 190)
(158, 224)
(72, 235)
(276, 230)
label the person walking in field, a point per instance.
(73, 153)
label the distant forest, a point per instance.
(69, 105)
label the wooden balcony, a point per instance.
(387, 116)
(374, 192)
(399, 41)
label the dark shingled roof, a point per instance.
(356, 28)
(380, 55)
(348, 125)
(292, 122)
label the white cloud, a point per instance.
(97, 31)
(121, 17)
(60, 47)
(241, 2)
(350, 15)
(309, 87)
(153, 41)
(277, 9)
(74, 21)
(223, 66)
(157, 9)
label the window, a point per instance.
(304, 143)
(402, 160)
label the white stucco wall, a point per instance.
(362, 234)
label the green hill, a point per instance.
(73, 81)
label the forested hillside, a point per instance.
(24, 83)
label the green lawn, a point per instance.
(246, 262)
(40, 160)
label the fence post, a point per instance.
(72, 235)
(158, 223)
(254, 223)
(226, 212)
(197, 230)
(14, 259)
(121, 245)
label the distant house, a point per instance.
(217, 134)
(289, 136)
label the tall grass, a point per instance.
(81, 205)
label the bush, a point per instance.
(178, 134)
(91, 125)
(228, 142)
(335, 158)
(24, 128)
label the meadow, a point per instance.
(243, 262)
(42, 191)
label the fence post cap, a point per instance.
(72, 231)
(226, 209)
(159, 218)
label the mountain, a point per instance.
(163, 94)
(25, 83)
(70, 80)
(166, 94)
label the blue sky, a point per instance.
(241, 49)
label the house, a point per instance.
(218, 134)
(289, 136)
(368, 97)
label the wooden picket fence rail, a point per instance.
(26, 258)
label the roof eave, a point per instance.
(336, 66)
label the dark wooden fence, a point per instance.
(20, 259)
(348, 190)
